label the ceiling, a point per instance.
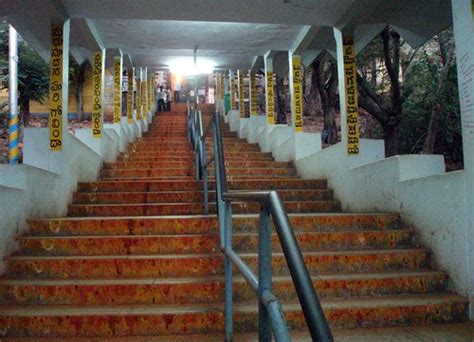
(232, 33)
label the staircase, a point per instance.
(136, 256)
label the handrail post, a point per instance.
(203, 162)
(312, 310)
(228, 282)
(264, 275)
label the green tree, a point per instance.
(77, 78)
(33, 74)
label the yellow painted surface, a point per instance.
(138, 98)
(241, 94)
(252, 94)
(117, 89)
(352, 105)
(55, 89)
(232, 92)
(130, 96)
(270, 97)
(97, 109)
(297, 93)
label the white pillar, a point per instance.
(59, 84)
(463, 23)
(296, 91)
(118, 88)
(130, 78)
(348, 93)
(98, 76)
(269, 91)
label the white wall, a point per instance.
(43, 185)
(416, 186)
(434, 203)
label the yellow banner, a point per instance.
(55, 121)
(252, 94)
(138, 99)
(352, 104)
(270, 97)
(297, 93)
(241, 94)
(232, 91)
(222, 86)
(144, 103)
(97, 95)
(117, 89)
(217, 89)
(130, 96)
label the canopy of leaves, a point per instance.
(33, 72)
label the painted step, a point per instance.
(189, 171)
(204, 318)
(206, 243)
(186, 148)
(206, 224)
(165, 291)
(183, 196)
(125, 266)
(140, 186)
(193, 208)
(190, 163)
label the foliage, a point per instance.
(420, 88)
(33, 72)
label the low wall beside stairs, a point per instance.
(43, 185)
(417, 187)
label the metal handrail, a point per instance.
(270, 314)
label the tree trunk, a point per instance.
(80, 101)
(436, 108)
(25, 110)
(281, 101)
(390, 133)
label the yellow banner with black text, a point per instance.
(97, 95)
(298, 93)
(352, 103)
(55, 121)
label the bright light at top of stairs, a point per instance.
(185, 66)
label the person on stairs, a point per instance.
(161, 99)
(177, 88)
(168, 99)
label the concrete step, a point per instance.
(194, 208)
(126, 266)
(207, 243)
(166, 291)
(208, 318)
(143, 185)
(190, 164)
(189, 171)
(205, 224)
(183, 196)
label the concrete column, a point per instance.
(463, 13)
(98, 76)
(138, 95)
(146, 107)
(241, 94)
(130, 77)
(252, 94)
(13, 124)
(118, 62)
(269, 91)
(232, 90)
(348, 95)
(59, 84)
(296, 91)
